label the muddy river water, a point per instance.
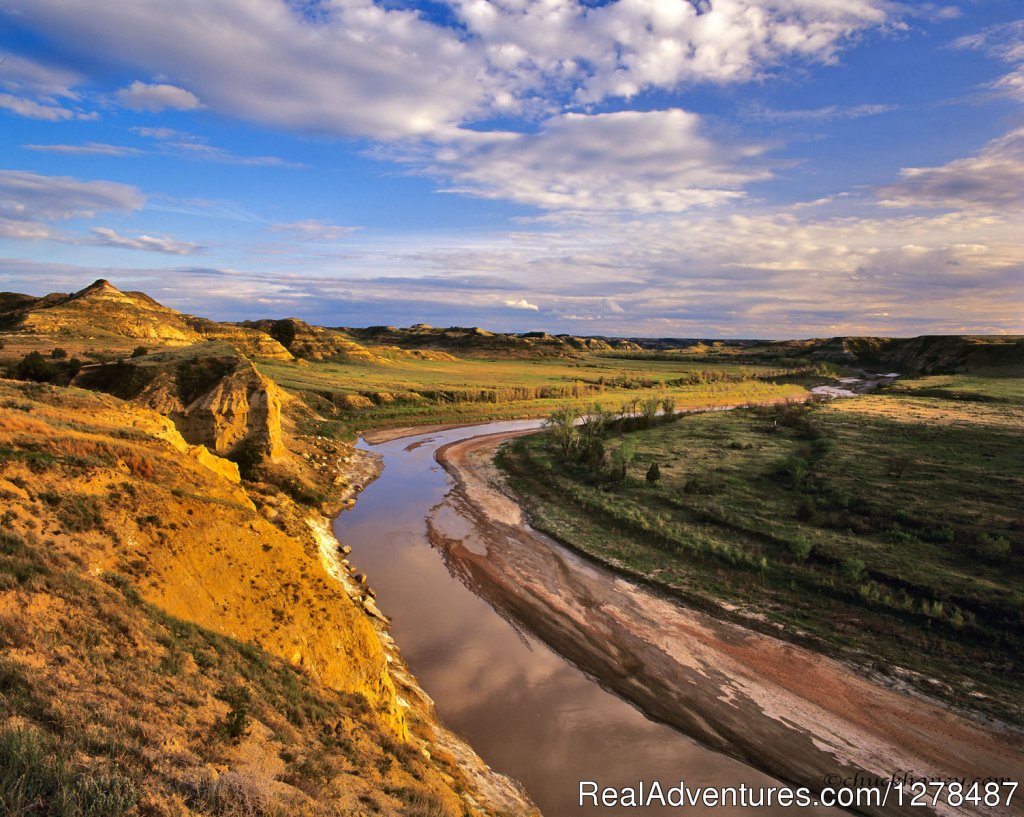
(528, 711)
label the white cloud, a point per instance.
(314, 230)
(88, 149)
(1005, 42)
(31, 109)
(825, 114)
(522, 303)
(992, 178)
(655, 161)
(356, 68)
(140, 96)
(106, 237)
(37, 91)
(179, 143)
(35, 196)
(29, 201)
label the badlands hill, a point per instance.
(102, 311)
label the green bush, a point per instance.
(991, 546)
(800, 547)
(854, 568)
(792, 470)
(236, 724)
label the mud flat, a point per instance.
(789, 712)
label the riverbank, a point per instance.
(784, 709)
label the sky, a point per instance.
(683, 168)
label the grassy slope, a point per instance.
(104, 528)
(363, 395)
(885, 549)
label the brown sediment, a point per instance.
(794, 713)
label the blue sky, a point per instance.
(732, 168)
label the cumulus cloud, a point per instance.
(106, 237)
(654, 161)
(522, 303)
(357, 68)
(140, 96)
(992, 178)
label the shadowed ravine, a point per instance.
(475, 621)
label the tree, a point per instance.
(561, 425)
(621, 459)
(650, 410)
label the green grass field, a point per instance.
(886, 529)
(357, 395)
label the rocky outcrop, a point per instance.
(242, 408)
(218, 400)
(312, 342)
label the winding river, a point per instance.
(533, 654)
(526, 710)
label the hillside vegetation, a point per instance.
(171, 643)
(884, 529)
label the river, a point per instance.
(526, 710)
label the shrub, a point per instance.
(792, 470)
(35, 367)
(654, 473)
(236, 724)
(991, 546)
(703, 485)
(898, 465)
(800, 547)
(854, 568)
(59, 354)
(79, 513)
(140, 351)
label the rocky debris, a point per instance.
(226, 468)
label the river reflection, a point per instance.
(525, 709)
